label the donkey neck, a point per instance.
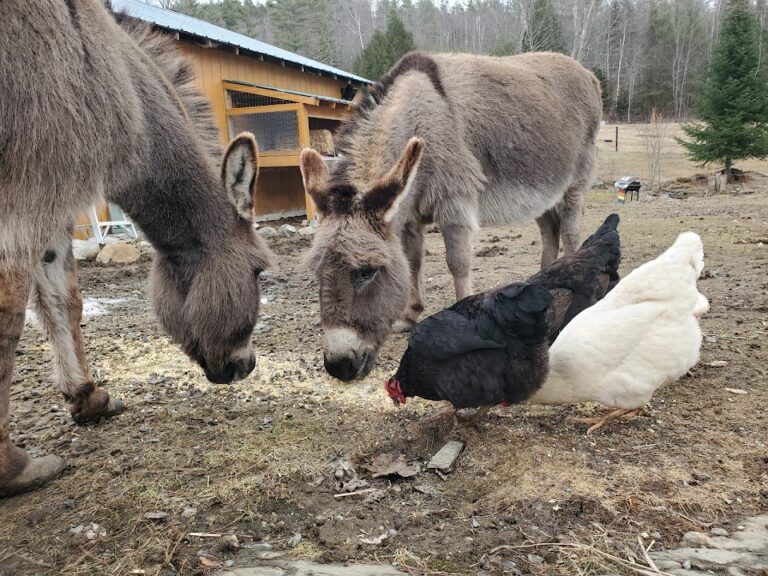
(183, 215)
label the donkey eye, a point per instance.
(364, 275)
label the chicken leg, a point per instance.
(610, 418)
(475, 418)
(447, 414)
(459, 418)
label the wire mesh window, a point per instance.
(273, 130)
(246, 100)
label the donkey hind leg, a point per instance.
(18, 472)
(58, 303)
(458, 254)
(570, 210)
(413, 244)
(549, 228)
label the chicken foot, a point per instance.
(475, 418)
(447, 414)
(458, 418)
(610, 418)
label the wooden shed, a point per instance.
(288, 101)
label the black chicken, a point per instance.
(487, 349)
(491, 348)
(578, 281)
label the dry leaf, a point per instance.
(390, 465)
(427, 489)
(375, 496)
(379, 539)
(208, 563)
(354, 484)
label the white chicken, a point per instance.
(643, 334)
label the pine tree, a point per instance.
(600, 75)
(544, 32)
(655, 86)
(385, 48)
(304, 27)
(733, 104)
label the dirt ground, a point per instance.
(260, 458)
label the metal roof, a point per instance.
(188, 25)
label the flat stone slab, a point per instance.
(307, 568)
(446, 457)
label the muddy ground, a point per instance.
(258, 458)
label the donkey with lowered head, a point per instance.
(91, 109)
(459, 140)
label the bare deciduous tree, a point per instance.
(653, 135)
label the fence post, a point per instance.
(617, 138)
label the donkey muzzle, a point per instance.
(235, 369)
(346, 357)
(348, 367)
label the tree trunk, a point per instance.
(618, 68)
(585, 30)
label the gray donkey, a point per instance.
(456, 139)
(90, 109)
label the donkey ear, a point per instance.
(386, 195)
(314, 173)
(239, 172)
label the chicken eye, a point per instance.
(363, 276)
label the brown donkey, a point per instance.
(503, 139)
(90, 109)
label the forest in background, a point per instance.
(648, 54)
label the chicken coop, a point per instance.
(288, 101)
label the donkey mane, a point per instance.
(411, 62)
(178, 71)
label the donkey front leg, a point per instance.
(458, 254)
(413, 245)
(549, 228)
(57, 300)
(18, 472)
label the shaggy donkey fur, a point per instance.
(87, 110)
(506, 140)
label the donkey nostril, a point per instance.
(224, 377)
(344, 368)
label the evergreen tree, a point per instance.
(600, 75)
(655, 86)
(384, 48)
(733, 104)
(544, 33)
(304, 27)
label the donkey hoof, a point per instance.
(115, 407)
(37, 473)
(403, 326)
(98, 405)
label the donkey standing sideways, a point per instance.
(456, 139)
(88, 108)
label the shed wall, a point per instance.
(213, 66)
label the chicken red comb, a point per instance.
(394, 390)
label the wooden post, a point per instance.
(303, 125)
(617, 138)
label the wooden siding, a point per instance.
(278, 191)
(214, 65)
